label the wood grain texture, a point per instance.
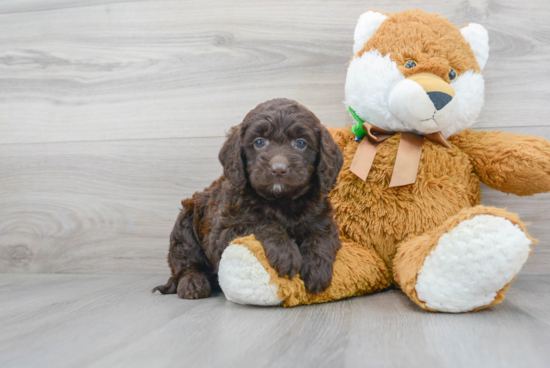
(177, 69)
(113, 321)
(97, 206)
(111, 112)
(109, 206)
(26, 6)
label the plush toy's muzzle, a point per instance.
(418, 101)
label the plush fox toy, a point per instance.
(407, 198)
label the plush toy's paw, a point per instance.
(471, 263)
(243, 278)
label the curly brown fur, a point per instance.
(275, 189)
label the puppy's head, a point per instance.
(281, 150)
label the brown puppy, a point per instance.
(279, 165)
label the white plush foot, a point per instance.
(244, 280)
(471, 263)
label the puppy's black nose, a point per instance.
(279, 169)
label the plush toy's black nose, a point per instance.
(439, 99)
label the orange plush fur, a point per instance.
(387, 233)
(432, 41)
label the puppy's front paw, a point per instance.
(194, 285)
(316, 274)
(285, 258)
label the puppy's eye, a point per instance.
(259, 143)
(410, 64)
(301, 144)
(452, 74)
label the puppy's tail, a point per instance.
(169, 288)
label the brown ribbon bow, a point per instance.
(408, 154)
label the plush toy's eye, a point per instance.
(259, 143)
(301, 144)
(410, 64)
(452, 74)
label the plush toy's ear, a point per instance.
(478, 38)
(366, 27)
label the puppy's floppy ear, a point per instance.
(232, 158)
(330, 161)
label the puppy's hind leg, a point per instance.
(189, 265)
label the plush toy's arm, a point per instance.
(511, 163)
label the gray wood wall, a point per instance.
(111, 112)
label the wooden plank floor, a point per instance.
(114, 321)
(111, 112)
